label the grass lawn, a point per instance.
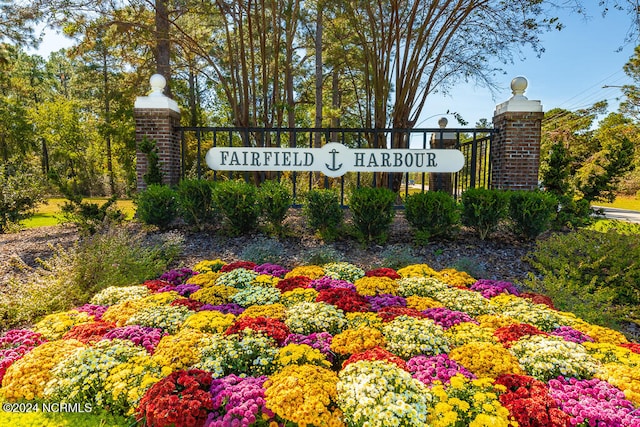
(50, 214)
(622, 202)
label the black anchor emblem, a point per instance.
(333, 166)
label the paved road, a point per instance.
(621, 214)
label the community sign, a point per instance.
(334, 159)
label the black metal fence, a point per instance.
(475, 144)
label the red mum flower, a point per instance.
(345, 299)
(510, 333)
(189, 303)
(181, 399)
(529, 402)
(377, 353)
(383, 272)
(247, 265)
(286, 285)
(273, 328)
(156, 285)
(632, 346)
(539, 299)
(89, 332)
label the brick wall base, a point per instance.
(158, 124)
(515, 150)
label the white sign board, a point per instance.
(333, 159)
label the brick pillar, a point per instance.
(515, 149)
(157, 117)
(442, 181)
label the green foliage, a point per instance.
(274, 200)
(373, 212)
(195, 202)
(574, 213)
(89, 216)
(554, 172)
(323, 213)
(620, 227)
(238, 203)
(20, 193)
(586, 161)
(398, 256)
(154, 174)
(71, 276)
(156, 205)
(483, 209)
(474, 267)
(432, 214)
(531, 212)
(322, 255)
(595, 275)
(263, 250)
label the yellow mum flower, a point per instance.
(358, 340)
(454, 277)
(54, 326)
(304, 395)
(214, 295)
(209, 321)
(273, 311)
(207, 266)
(419, 270)
(495, 321)
(27, 377)
(376, 285)
(358, 319)
(266, 280)
(486, 359)
(204, 279)
(422, 303)
(310, 271)
(180, 351)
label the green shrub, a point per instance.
(373, 212)
(398, 256)
(195, 202)
(263, 250)
(157, 205)
(620, 227)
(573, 213)
(595, 275)
(322, 255)
(88, 216)
(274, 200)
(473, 266)
(72, 276)
(154, 174)
(20, 193)
(323, 213)
(238, 203)
(483, 209)
(531, 212)
(432, 214)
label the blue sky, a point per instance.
(578, 61)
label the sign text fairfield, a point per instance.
(333, 159)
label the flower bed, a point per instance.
(239, 344)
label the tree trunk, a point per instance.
(335, 101)
(318, 46)
(193, 105)
(163, 47)
(107, 124)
